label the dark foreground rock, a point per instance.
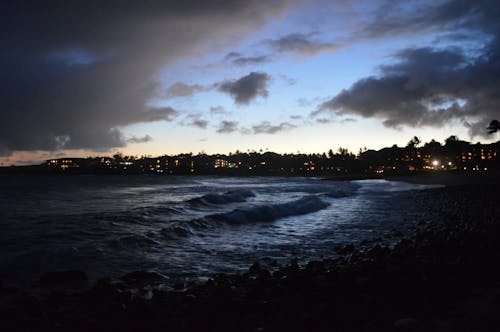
(57, 277)
(445, 277)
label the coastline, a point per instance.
(441, 278)
(447, 178)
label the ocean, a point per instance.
(189, 228)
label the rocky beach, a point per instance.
(443, 276)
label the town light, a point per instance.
(435, 162)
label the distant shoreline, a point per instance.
(448, 178)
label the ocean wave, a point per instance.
(135, 241)
(177, 230)
(320, 187)
(233, 196)
(339, 193)
(270, 212)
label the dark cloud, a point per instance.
(232, 55)
(247, 88)
(241, 60)
(301, 44)
(143, 139)
(251, 60)
(75, 73)
(200, 123)
(408, 17)
(298, 44)
(433, 86)
(266, 127)
(227, 127)
(195, 120)
(180, 89)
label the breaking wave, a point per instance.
(263, 213)
(233, 196)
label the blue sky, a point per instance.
(283, 76)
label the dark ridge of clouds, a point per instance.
(266, 127)
(137, 140)
(180, 89)
(247, 88)
(296, 117)
(196, 120)
(400, 17)
(251, 60)
(227, 127)
(74, 73)
(232, 55)
(239, 59)
(431, 86)
(301, 44)
(200, 123)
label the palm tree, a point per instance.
(414, 142)
(493, 127)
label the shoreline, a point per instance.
(447, 178)
(442, 278)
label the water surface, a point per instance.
(187, 227)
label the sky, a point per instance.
(87, 78)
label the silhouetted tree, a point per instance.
(118, 157)
(330, 153)
(414, 142)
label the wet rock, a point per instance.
(143, 277)
(179, 286)
(344, 250)
(55, 277)
(107, 286)
(407, 324)
(315, 267)
(256, 271)
(255, 268)
(294, 264)
(378, 252)
(7, 290)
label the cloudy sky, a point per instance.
(163, 77)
